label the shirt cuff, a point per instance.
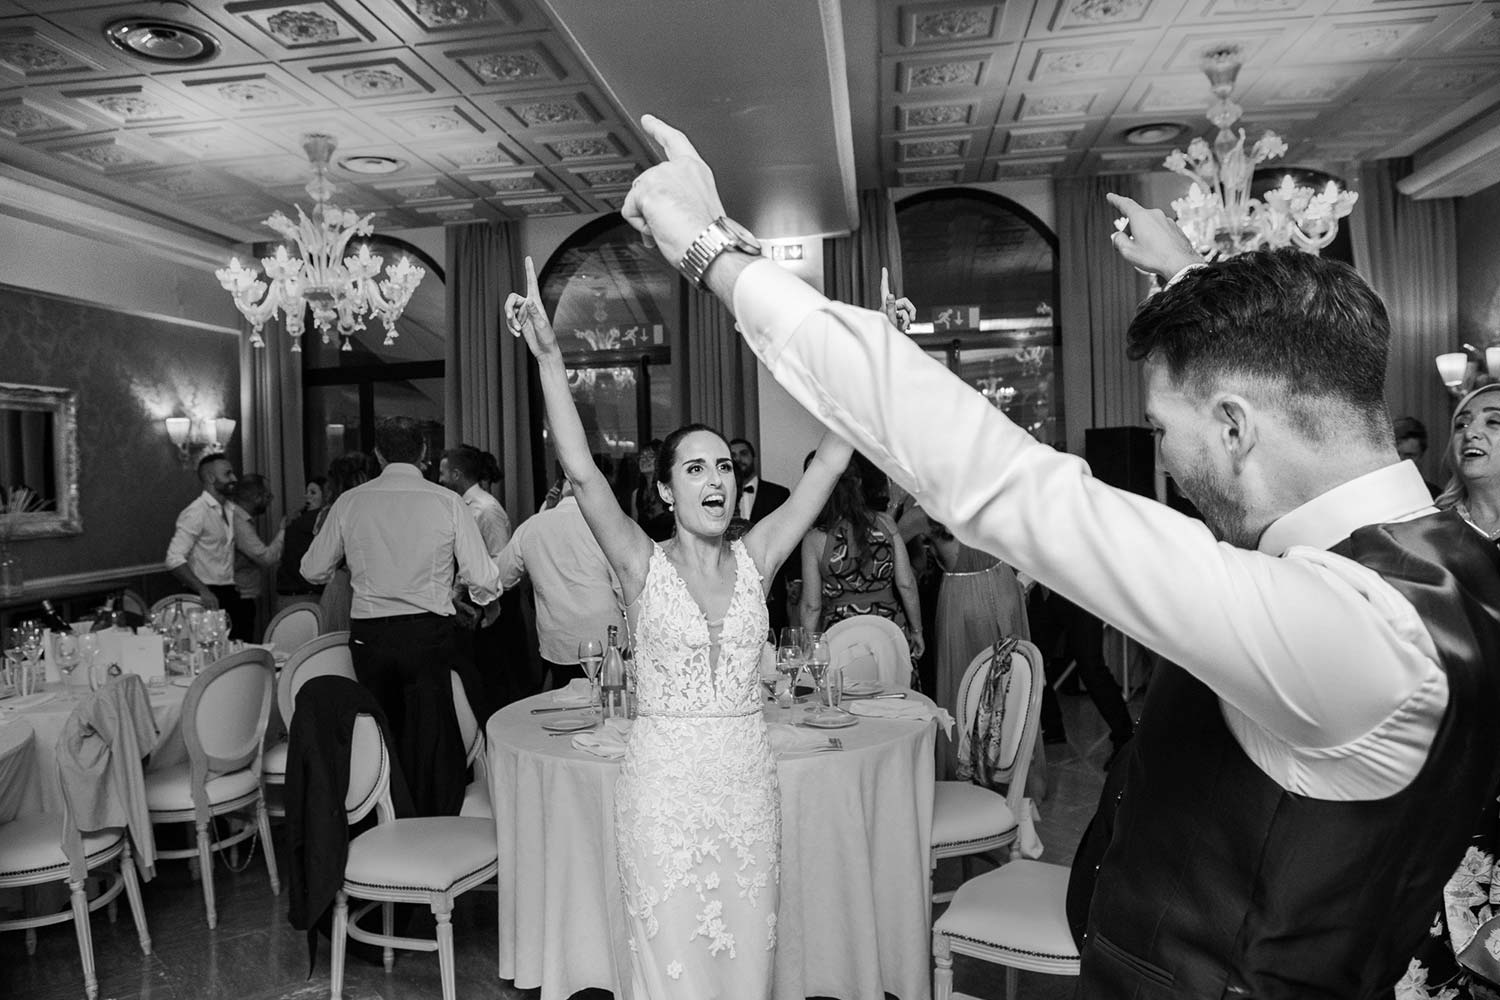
(1179, 275)
(770, 303)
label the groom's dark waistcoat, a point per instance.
(1213, 881)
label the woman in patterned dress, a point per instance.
(1461, 959)
(697, 807)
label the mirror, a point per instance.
(39, 450)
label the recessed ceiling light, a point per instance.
(162, 41)
(372, 164)
(1150, 135)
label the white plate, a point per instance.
(569, 725)
(859, 688)
(831, 720)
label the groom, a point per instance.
(1303, 786)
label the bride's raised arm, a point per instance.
(625, 545)
(780, 533)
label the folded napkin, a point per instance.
(608, 741)
(793, 739)
(578, 692)
(908, 708)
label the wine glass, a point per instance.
(67, 654)
(88, 652)
(817, 663)
(31, 648)
(590, 655)
(14, 657)
(789, 660)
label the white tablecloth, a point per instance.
(17, 761)
(41, 791)
(856, 834)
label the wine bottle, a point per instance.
(53, 620)
(612, 677)
(105, 617)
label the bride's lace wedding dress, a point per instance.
(697, 813)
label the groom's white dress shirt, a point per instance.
(1326, 675)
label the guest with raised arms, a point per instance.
(697, 812)
(1302, 787)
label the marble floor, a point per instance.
(255, 955)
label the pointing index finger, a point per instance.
(673, 143)
(885, 284)
(531, 288)
(1129, 206)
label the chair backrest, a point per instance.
(134, 604)
(1022, 712)
(870, 648)
(225, 712)
(188, 601)
(369, 773)
(324, 654)
(468, 723)
(294, 625)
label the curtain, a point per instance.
(271, 415)
(487, 396)
(716, 371)
(1098, 297)
(1408, 251)
(851, 264)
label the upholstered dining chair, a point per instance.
(968, 819)
(188, 601)
(224, 724)
(1014, 916)
(293, 626)
(870, 648)
(323, 654)
(477, 793)
(32, 853)
(431, 860)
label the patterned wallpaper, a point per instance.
(130, 372)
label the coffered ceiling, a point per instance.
(518, 109)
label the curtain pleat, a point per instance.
(720, 387)
(1098, 298)
(851, 264)
(271, 416)
(1408, 251)
(487, 396)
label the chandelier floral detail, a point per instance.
(1218, 214)
(341, 291)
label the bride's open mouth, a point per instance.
(714, 504)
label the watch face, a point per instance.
(742, 236)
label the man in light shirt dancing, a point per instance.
(1302, 787)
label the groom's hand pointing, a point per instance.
(674, 201)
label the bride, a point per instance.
(697, 809)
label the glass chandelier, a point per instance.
(341, 291)
(1218, 215)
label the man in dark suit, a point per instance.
(757, 498)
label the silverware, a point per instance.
(575, 732)
(834, 743)
(559, 708)
(872, 697)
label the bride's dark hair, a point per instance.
(666, 456)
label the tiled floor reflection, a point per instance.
(255, 955)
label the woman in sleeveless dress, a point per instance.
(697, 807)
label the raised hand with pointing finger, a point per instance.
(900, 311)
(526, 317)
(1149, 240)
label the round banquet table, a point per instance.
(853, 921)
(17, 760)
(39, 788)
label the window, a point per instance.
(983, 273)
(616, 307)
(345, 392)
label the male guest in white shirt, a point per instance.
(201, 553)
(252, 557)
(1302, 787)
(402, 537)
(577, 595)
(459, 469)
(757, 499)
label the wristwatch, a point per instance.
(722, 234)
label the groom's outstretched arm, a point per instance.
(1251, 627)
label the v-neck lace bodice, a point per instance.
(681, 666)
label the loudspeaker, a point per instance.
(1124, 457)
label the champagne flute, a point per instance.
(88, 650)
(67, 654)
(792, 656)
(590, 655)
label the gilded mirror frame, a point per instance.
(64, 517)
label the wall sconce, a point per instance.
(196, 438)
(1457, 374)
